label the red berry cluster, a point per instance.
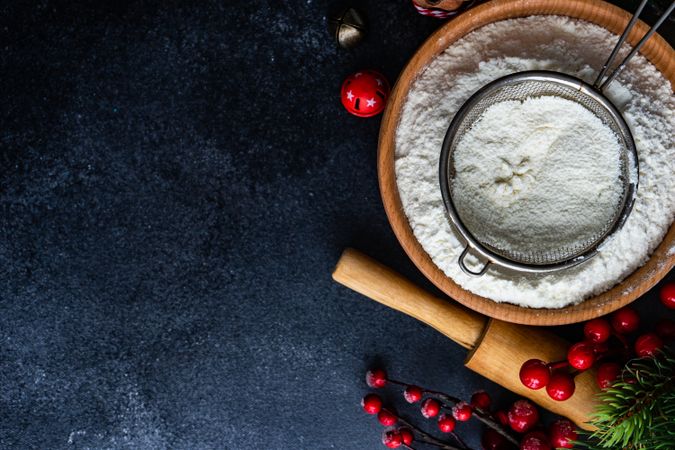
(537, 374)
(399, 433)
(600, 350)
(522, 418)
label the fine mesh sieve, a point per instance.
(553, 254)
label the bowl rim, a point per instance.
(656, 50)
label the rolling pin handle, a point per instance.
(496, 349)
(377, 281)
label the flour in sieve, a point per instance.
(570, 46)
(538, 177)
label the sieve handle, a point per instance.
(638, 46)
(468, 271)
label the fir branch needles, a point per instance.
(638, 410)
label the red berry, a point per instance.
(607, 373)
(665, 328)
(534, 374)
(535, 440)
(430, 408)
(667, 295)
(502, 417)
(376, 378)
(647, 345)
(392, 439)
(371, 403)
(597, 330)
(523, 415)
(407, 435)
(413, 394)
(492, 440)
(387, 418)
(581, 356)
(562, 432)
(462, 411)
(625, 321)
(446, 423)
(481, 399)
(561, 386)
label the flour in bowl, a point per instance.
(555, 43)
(538, 176)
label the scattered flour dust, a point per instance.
(562, 44)
(538, 176)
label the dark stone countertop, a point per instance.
(177, 182)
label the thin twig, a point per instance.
(429, 439)
(459, 439)
(443, 396)
(558, 365)
(480, 414)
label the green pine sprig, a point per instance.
(638, 410)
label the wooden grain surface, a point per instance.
(506, 346)
(497, 349)
(378, 282)
(656, 50)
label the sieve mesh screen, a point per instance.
(520, 87)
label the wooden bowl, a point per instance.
(656, 50)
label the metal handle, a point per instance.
(465, 269)
(624, 35)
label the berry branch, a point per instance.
(463, 409)
(429, 439)
(635, 372)
(481, 415)
(597, 349)
(448, 410)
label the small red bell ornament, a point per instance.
(365, 93)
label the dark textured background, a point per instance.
(177, 181)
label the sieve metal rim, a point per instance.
(444, 172)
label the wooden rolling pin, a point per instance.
(496, 349)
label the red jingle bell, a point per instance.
(365, 93)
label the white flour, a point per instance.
(578, 48)
(537, 176)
